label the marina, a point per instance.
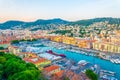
(75, 56)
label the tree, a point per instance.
(2, 59)
(82, 32)
(15, 41)
(1, 71)
(14, 68)
(2, 53)
(1, 48)
(71, 34)
(66, 78)
(25, 75)
(91, 74)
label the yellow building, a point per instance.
(107, 47)
(82, 44)
(56, 38)
(69, 40)
(27, 55)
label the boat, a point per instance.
(83, 62)
(112, 60)
(62, 55)
(111, 72)
(51, 52)
(118, 61)
(108, 72)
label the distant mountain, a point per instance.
(39, 24)
(10, 24)
(54, 23)
(88, 22)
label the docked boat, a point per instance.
(62, 55)
(82, 62)
(51, 52)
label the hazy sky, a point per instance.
(30, 10)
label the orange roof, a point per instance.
(28, 60)
(51, 68)
(40, 60)
(60, 73)
(4, 42)
(35, 60)
(28, 53)
(33, 55)
(76, 77)
(69, 73)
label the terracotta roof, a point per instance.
(35, 60)
(4, 42)
(51, 68)
(73, 76)
(40, 60)
(56, 78)
(32, 55)
(76, 77)
(28, 60)
(69, 73)
(59, 74)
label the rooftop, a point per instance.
(51, 68)
(35, 60)
(60, 73)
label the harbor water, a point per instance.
(104, 64)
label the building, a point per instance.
(49, 71)
(58, 75)
(73, 76)
(56, 38)
(27, 55)
(69, 40)
(106, 47)
(14, 49)
(4, 44)
(39, 62)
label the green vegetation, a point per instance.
(17, 41)
(56, 23)
(91, 75)
(88, 22)
(1, 48)
(62, 32)
(14, 68)
(66, 78)
(71, 35)
(82, 32)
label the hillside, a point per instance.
(54, 23)
(39, 24)
(88, 22)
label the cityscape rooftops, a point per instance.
(60, 73)
(35, 60)
(51, 68)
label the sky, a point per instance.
(72, 10)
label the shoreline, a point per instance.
(95, 53)
(54, 45)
